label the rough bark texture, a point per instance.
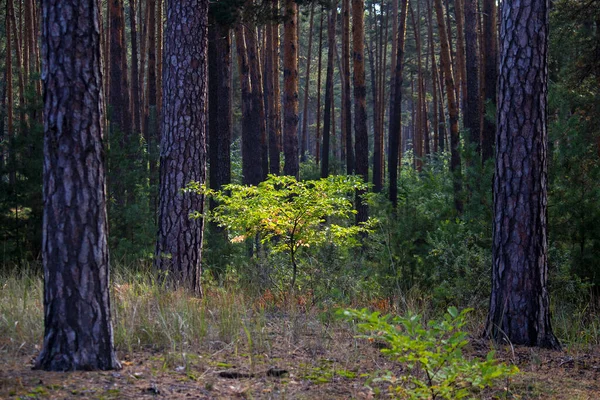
(251, 150)
(360, 101)
(77, 322)
(519, 304)
(395, 132)
(490, 50)
(219, 102)
(472, 117)
(455, 167)
(328, 92)
(290, 96)
(183, 143)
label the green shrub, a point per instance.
(433, 355)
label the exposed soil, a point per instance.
(301, 359)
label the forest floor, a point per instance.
(293, 358)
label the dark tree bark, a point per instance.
(327, 113)
(275, 153)
(152, 135)
(472, 117)
(183, 143)
(159, 55)
(520, 304)
(119, 92)
(77, 320)
(219, 105)
(395, 133)
(251, 149)
(346, 92)
(258, 105)
(290, 96)
(271, 79)
(360, 102)
(374, 61)
(490, 51)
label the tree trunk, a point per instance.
(318, 133)
(258, 105)
(419, 132)
(455, 167)
(375, 88)
(159, 55)
(472, 117)
(276, 155)
(251, 149)
(152, 134)
(490, 51)
(77, 318)
(520, 304)
(219, 105)
(360, 102)
(290, 97)
(304, 144)
(17, 42)
(183, 143)
(395, 133)
(271, 81)
(135, 74)
(119, 94)
(460, 72)
(327, 114)
(346, 92)
(437, 136)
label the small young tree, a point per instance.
(289, 215)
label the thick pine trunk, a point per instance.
(290, 95)
(183, 143)
(520, 304)
(77, 320)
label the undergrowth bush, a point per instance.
(432, 354)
